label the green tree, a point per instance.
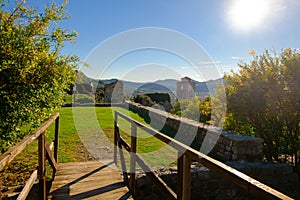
(34, 75)
(263, 98)
(205, 110)
(194, 109)
(144, 100)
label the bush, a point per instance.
(34, 76)
(194, 109)
(143, 99)
(82, 98)
(264, 98)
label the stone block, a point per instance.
(228, 148)
(228, 155)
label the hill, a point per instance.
(164, 86)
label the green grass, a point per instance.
(154, 151)
(71, 148)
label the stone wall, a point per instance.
(220, 144)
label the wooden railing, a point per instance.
(185, 156)
(44, 151)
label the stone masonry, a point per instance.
(220, 144)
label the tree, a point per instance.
(205, 108)
(144, 100)
(34, 75)
(194, 109)
(264, 97)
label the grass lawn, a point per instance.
(71, 148)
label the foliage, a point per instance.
(264, 98)
(83, 98)
(179, 107)
(205, 110)
(150, 99)
(84, 88)
(159, 97)
(143, 99)
(194, 109)
(99, 94)
(34, 75)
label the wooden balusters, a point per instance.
(133, 158)
(184, 176)
(42, 165)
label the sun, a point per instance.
(248, 14)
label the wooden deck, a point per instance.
(88, 180)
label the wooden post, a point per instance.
(133, 158)
(122, 159)
(184, 177)
(42, 165)
(56, 139)
(116, 138)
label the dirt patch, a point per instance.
(82, 154)
(97, 144)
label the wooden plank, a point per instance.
(132, 159)
(56, 133)
(125, 174)
(42, 166)
(61, 181)
(125, 144)
(164, 189)
(83, 170)
(9, 155)
(50, 157)
(25, 191)
(51, 145)
(84, 167)
(184, 177)
(115, 138)
(109, 193)
(88, 180)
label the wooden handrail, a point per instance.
(44, 153)
(185, 155)
(12, 152)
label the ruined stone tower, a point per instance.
(185, 88)
(113, 92)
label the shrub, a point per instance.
(34, 75)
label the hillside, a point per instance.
(165, 86)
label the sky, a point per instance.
(143, 41)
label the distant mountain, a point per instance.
(206, 87)
(168, 83)
(82, 78)
(133, 88)
(165, 86)
(103, 82)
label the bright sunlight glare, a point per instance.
(248, 14)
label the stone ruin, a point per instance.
(111, 93)
(185, 88)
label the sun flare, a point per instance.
(247, 14)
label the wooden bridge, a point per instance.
(95, 180)
(88, 180)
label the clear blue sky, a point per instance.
(226, 29)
